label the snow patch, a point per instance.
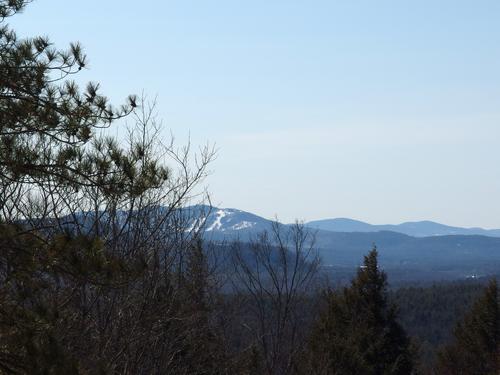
(195, 225)
(243, 225)
(217, 224)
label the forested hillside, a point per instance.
(102, 272)
(430, 313)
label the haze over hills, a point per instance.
(228, 220)
(410, 251)
(415, 229)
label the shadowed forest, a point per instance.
(101, 271)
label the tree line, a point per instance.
(102, 271)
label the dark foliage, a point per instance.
(429, 314)
(358, 332)
(100, 272)
(475, 348)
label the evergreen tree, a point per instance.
(203, 350)
(88, 225)
(475, 349)
(358, 333)
(45, 118)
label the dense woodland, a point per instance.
(429, 313)
(101, 274)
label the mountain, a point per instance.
(423, 251)
(415, 229)
(231, 221)
(406, 256)
(224, 221)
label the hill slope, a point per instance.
(435, 257)
(416, 229)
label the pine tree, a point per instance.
(203, 349)
(358, 333)
(475, 349)
(87, 228)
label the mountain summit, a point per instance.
(411, 228)
(231, 221)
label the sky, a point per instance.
(382, 111)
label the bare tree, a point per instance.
(105, 259)
(274, 274)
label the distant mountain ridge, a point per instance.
(414, 229)
(409, 251)
(214, 220)
(231, 220)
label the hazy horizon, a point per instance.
(382, 112)
(276, 216)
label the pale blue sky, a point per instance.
(383, 111)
